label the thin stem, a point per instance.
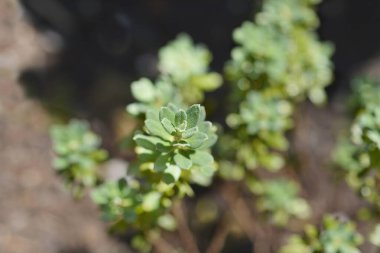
(242, 213)
(217, 242)
(185, 233)
(160, 244)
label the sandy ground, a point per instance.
(36, 213)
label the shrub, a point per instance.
(278, 62)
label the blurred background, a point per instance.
(61, 59)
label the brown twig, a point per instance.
(185, 233)
(242, 213)
(160, 244)
(217, 242)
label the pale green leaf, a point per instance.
(151, 201)
(197, 140)
(193, 115)
(202, 158)
(143, 90)
(155, 128)
(180, 120)
(189, 132)
(167, 112)
(182, 161)
(168, 126)
(171, 174)
(207, 82)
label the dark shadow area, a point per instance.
(107, 44)
(351, 26)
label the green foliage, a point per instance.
(277, 63)
(177, 142)
(186, 65)
(279, 198)
(365, 92)
(78, 154)
(375, 236)
(335, 236)
(359, 157)
(264, 119)
(280, 52)
(130, 204)
(151, 95)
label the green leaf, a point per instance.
(151, 201)
(155, 128)
(212, 138)
(171, 174)
(189, 132)
(197, 140)
(156, 141)
(207, 171)
(182, 161)
(202, 158)
(168, 126)
(168, 113)
(180, 120)
(193, 115)
(143, 90)
(167, 222)
(136, 108)
(144, 141)
(207, 82)
(161, 162)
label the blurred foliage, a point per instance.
(78, 155)
(279, 52)
(264, 119)
(150, 95)
(130, 204)
(335, 236)
(375, 236)
(277, 63)
(280, 199)
(187, 65)
(359, 157)
(365, 92)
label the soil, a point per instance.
(37, 214)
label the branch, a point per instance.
(217, 242)
(160, 244)
(242, 213)
(185, 233)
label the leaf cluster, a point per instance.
(78, 154)
(187, 66)
(264, 120)
(335, 236)
(176, 142)
(279, 199)
(359, 156)
(280, 51)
